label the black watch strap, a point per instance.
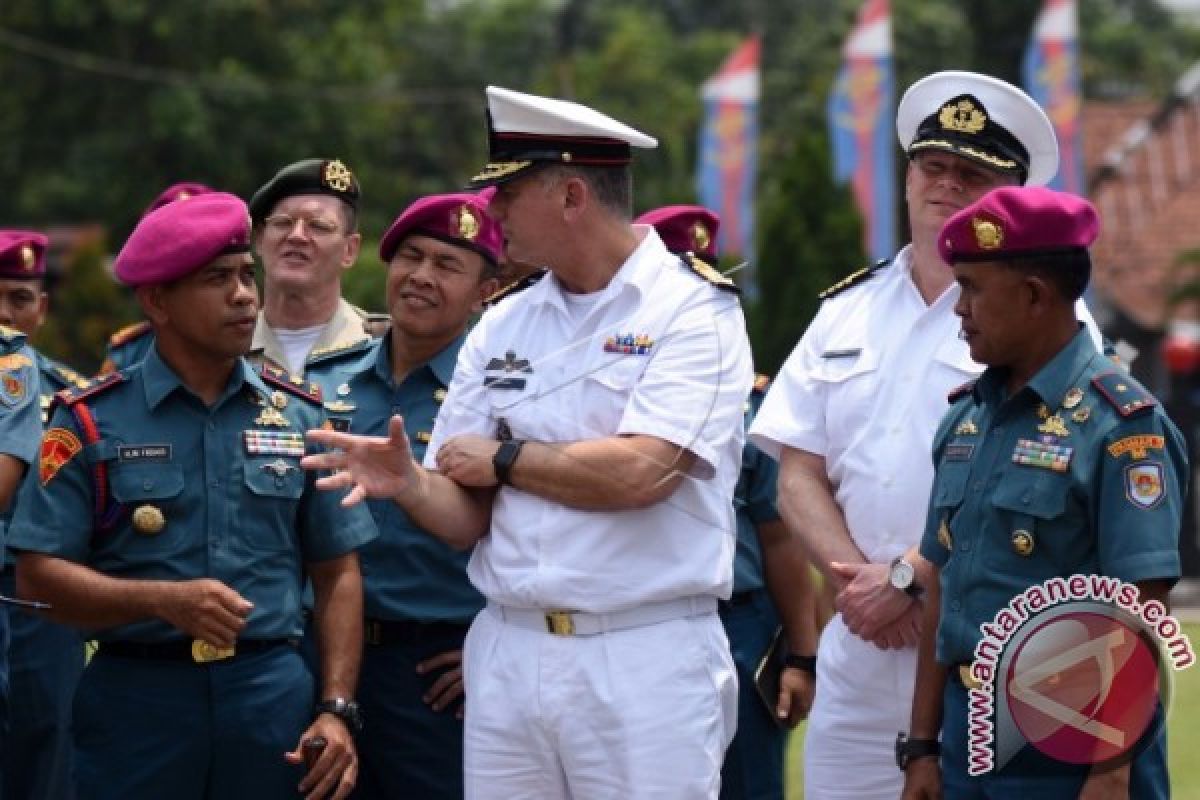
(908, 749)
(505, 457)
(806, 663)
(345, 710)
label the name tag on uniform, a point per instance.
(849, 352)
(959, 452)
(144, 452)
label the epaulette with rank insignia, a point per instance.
(293, 384)
(706, 271)
(1126, 395)
(338, 350)
(519, 285)
(130, 332)
(67, 375)
(90, 388)
(761, 382)
(853, 279)
(959, 392)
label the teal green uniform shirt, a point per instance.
(754, 502)
(1103, 494)
(407, 573)
(225, 480)
(20, 415)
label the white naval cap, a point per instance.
(525, 130)
(980, 118)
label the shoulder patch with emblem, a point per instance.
(293, 384)
(959, 392)
(338, 350)
(853, 279)
(706, 271)
(761, 382)
(516, 286)
(1125, 394)
(130, 332)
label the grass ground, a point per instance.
(1183, 736)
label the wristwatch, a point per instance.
(796, 661)
(504, 459)
(903, 576)
(345, 710)
(908, 749)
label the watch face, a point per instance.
(903, 575)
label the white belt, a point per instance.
(582, 623)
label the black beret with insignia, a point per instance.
(311, 176)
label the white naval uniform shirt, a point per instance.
(551, 376)
(866, 388)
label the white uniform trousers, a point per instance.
(864, 698)
(643, 713)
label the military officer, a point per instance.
(770, 572)
(587, 448)
(1054, 462)
(306, 234)
(128, 345)
(442, 254)
(171, 517)
(45, 659)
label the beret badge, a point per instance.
(962, 117)
(701, 238)
(466, 223)
(337, 176)
(28, 259)
(988, 235)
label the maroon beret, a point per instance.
(177, 191)
(180, 238)
(686, 229)
(460, 219)
(1018, 222)
(22, 255)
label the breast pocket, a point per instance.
(849, 377)
(268, 519)
(152, 495)
(607, 394)
(1031, 505)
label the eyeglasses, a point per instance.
(283, 224)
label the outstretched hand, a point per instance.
(369, 466)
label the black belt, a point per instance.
(190, 651)
(738, 599)
(406, 631)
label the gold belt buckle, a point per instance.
(560, 623)
(968, 680)
(204, 653)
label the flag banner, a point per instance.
(862, 130)
(729, 153)
(1050, 72)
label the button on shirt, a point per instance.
(754, 502)
(249, 519)
(1090, 517)
(407, 573)
(660, 352)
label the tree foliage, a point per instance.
(107, 101)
